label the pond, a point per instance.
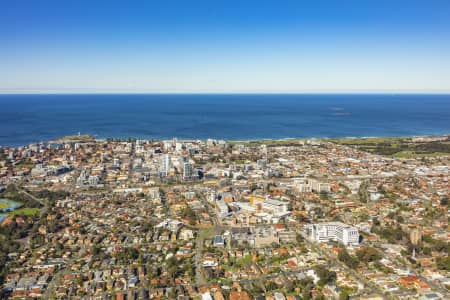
(7, 205)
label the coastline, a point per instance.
(90, 137)
(390, 146)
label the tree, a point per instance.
(306, 291)
(439, 245)
(270, 286)
(95, 250)
(319, 296)
(400, 219)
(326, 276)
(443, 263)
(363, 193)
(368, 254)
(324, 196)
(344, 295)
(347, 259)
(391, 234)
(428, 239)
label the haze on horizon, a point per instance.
(225, 46)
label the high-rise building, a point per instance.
(164, 165)
(116, 162)
(415, 236)
(188, 171)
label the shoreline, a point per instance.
(91, 138)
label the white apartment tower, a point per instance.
(164, 165)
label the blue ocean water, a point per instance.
(32, 118)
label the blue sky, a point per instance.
(225, 46)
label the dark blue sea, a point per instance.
(33, 118)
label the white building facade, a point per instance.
(165, 165)
(333, 231)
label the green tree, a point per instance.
(347, 259)
(443, 263)
(306, 291)
(368, 254)
(326, 276)
(344, 295)
(324, 196)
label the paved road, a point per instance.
(22, 191)
(371, 287)
(200, 239)
(199, 278)
(433, 285)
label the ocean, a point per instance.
(26, 119)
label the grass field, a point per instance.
(25, 212)
(20, 166)
(399, 147)
(206, 233)
(393, 141)
(409, 154)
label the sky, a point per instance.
(224, 46)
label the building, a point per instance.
(222, 208)
(154, 193)
(172, 225)
(116, 163)
(165, 165)
(188, 171)
(82, 179)
(254, 237)
(93, 180)
(319, 187)
(415, 236)
(262, 163)
(207, 296)
(287, 236)
(333, 231)
(219, 241)
(304, 185)
(186, 234)
(275, 206)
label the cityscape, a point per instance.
(215, 219)
(225, 150)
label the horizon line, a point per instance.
(212, 92)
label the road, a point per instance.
(399, 264)
(369, 286)
(199, 241)
(22, 191)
